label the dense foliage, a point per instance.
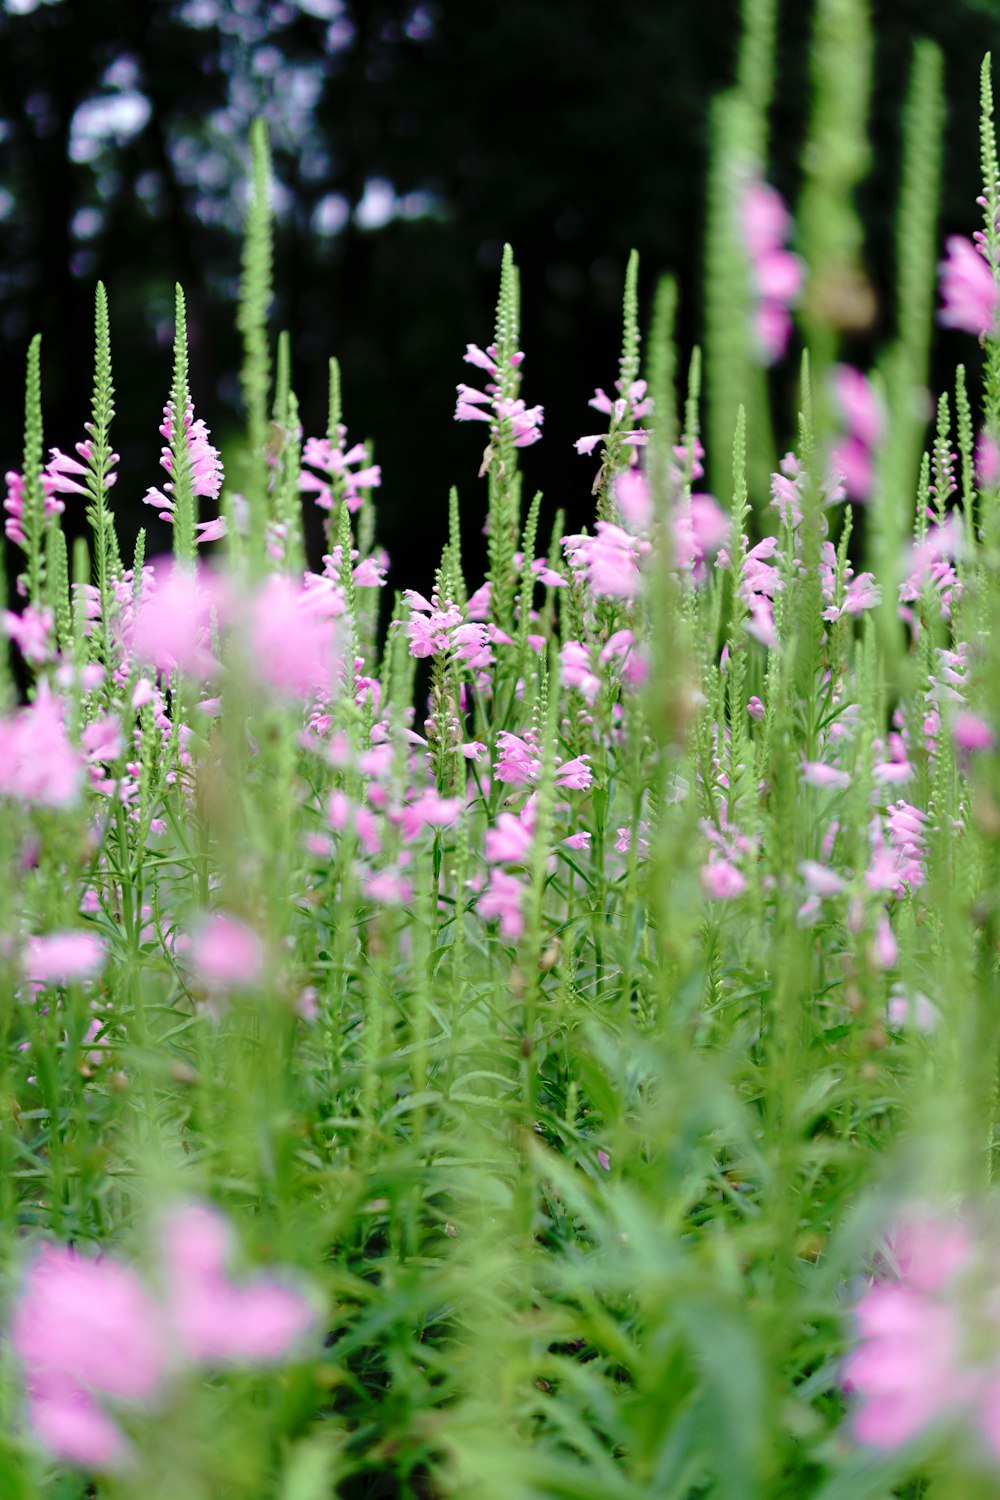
(583, 1084)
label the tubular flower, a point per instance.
(206, 471)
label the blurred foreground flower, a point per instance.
(91, 1332)
(928, 1352)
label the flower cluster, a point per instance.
(927, 1354)
(96, 1341)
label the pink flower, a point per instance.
(821, 880)
(31, 631)
(700, 526)
(294, 636)
(576, 669)
(102, 739)
(972, 732)
(14, 504)
(525, 422)
(859, 405)
(987, 463)
(968, 289)
(215, 1320)
(765, 219)
(173, 623)
(575, 775)
(388, 888)
(84, 1329)
(818, 773)
(609, 560)
(502, 898)
(206, 471)
(621, 648)
(861, 410)
(73, 1428)
(509, 842)
(37, 762)
(761, 622)
(776, 273)
(345, 471)
(906, 1373)
(518, 763)
(63, 474)
(915, 1010)
(885, 949)
(227, 953)
(631, 491)
(915, 1365)
(429, 810)
(60, 957)
(721, 880)
(433, 626)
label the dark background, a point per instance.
(410, 140)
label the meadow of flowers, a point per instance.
(543, 1044)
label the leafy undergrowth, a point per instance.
(584, 1086)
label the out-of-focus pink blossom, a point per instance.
(631, 492)
(173, 624)
(214, 1319)
(700, 526)
(775, 271)
(820, 879)
(911, 1010)
(928, 1346)
(761, 622)
(60, 957)
(73, 1428)
(987, 461)
(502, 899)
(885, 949)
(428, 810)
(622, 648)
(294, 636)
(818, 773)
(609, 560)
(968, 289)
(906, 1373)
(31, 632)
(972, 732)
(226, 953)
(859, 405)
(721, 880)
(37, 762)
(509, 841)
(84, 1329)
(102, 739)
(388, 888)
(576, 669)
(90, 1324)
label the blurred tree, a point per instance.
(411, 140)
